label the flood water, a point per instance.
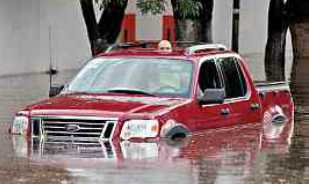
(237, 155)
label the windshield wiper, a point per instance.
(130, 91)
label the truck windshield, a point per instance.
(151, 77)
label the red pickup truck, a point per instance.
(138, 92)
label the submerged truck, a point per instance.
(136, 92)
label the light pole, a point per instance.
(235, 33)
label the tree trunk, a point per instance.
(299, 28)
(90, 21)
(197, 29)
(106, 31)
(206, 20)
(110, 23)
(275, 47)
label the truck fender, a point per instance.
(174, 130)
(274, 115)
(274, 121)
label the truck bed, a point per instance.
(276, 101)
(264, 86)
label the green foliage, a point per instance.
(188, 8)
(151, 6)
(185, 8)
(104, 3)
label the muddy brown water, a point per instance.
(238, 155)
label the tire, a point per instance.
(177, 132)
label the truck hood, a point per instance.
(104, 105)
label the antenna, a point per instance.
(51, 71)
(50, 56)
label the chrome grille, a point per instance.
(74, 128)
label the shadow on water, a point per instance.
(246, 154)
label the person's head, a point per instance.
(165, 46)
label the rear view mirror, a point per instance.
(212, 96)
(55, 90)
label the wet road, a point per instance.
(238, 155)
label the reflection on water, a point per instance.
(206, 143)
(212, 156)
(245, 154)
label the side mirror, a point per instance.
(212, 96)
(55, 90)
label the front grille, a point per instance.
(73, 128)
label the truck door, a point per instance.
(211, 115)
(242, 99)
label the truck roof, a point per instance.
(181, 50)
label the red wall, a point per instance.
(129, 28)
(168, 28)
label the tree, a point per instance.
(106, 30)
(299, 26)
(284, 15)
(275, 47)
(192, 18)
(292, 14)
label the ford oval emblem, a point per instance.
(72, 128)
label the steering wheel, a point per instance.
(167, 89)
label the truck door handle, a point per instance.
(254, 106)
(225, 112)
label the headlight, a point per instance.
(20, 125)
(140, 129)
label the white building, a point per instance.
(33, 31)
(24, 35)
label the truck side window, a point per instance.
(209, 77)
(234, 80)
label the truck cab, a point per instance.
(135, 91)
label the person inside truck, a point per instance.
(165, 46)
